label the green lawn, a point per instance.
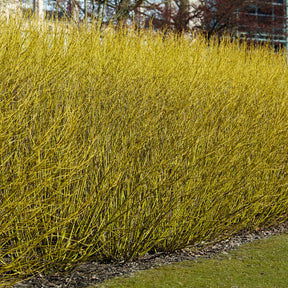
(260, 264)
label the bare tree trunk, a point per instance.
(75, 14)
(38, 8)
(85, 9)
(73, 10)
(140, 17)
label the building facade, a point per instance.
(11, 6)
(270, 20)
(259, 20)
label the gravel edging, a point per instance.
(93, 273)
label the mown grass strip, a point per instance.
(262, 263)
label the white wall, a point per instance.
(9, 7)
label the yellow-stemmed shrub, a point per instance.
(114, 143)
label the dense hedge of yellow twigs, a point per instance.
(114, 143)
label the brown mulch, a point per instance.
(93, 273)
